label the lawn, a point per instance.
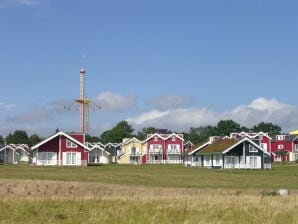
(173, 176)
(146, 194)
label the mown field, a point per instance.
(146, 194)
(161, 176)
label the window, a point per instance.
(173, 148)
(216, 160)
(252, 149)
(280, 137)
(47, 158)
(70, 144)
(296, 147)
(207, 160)
(71, 158)
(253, 162)
(173, 138)
(156, 139)
(264, 146)
(133, 150)
(280, 146)
(156, 146)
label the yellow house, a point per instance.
(132, 151)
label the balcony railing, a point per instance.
(174, 151)
(155, 151)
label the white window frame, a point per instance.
(73, 160)
(296, 147)
(280, 147)
(280, 137)
(216, 159)
(208, 160)
(156, 146)
(251, 148)
(70, 144)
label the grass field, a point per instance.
(161, 176)
(146, 194)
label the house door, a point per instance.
(72, 158)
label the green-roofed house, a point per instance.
(241, 153)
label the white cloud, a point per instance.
(114, 102)
(181, 119)
(169, 102)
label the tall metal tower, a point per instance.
(84, 104)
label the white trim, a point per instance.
(198, 148)
(174, 134)
(243, 140)
(59, 134)
(10, 147)
(93, 146)
(132, 139)
(154, 135)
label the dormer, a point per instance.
(280, 137)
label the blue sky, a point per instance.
(172, 64)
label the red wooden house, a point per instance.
(284, 148)
(163, 149)
(61, 149)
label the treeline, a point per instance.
(195, 134)
(124, 130)
(20, 137)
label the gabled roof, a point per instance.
(154, 135)
(23, 147)
(197, 148)
(188, 143)
(112, 144)
(9, 147)
(96, 145)
(174, 135)
(60, 133)
(163, 137)
(133, 139)
(225, 145)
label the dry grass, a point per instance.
(27, 201)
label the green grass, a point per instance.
(207, 209)
(175, 176)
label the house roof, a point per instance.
(9, 147)
(96, 145)
(188, 143)
(219, 146)
(225, 145)
(60, 133)
(132, 139)
(164, 136)
(197, 147)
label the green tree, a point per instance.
(1, 140)
(34, 139)
(201, 134)
(89, 138)
(18, 137)
(142, 135)
(225, 127)
(270, 128)
(117, 133)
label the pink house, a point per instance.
(61, 149)
(163, 149)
